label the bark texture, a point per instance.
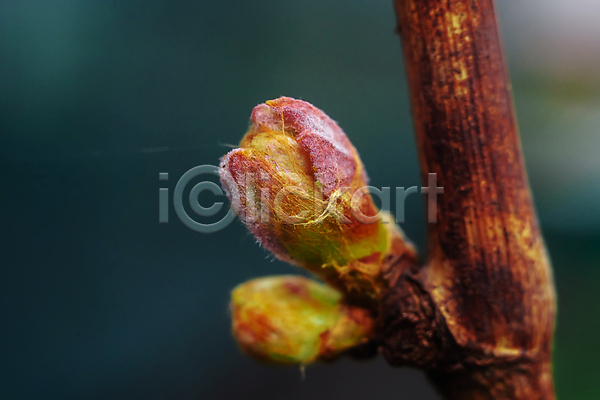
(479, 314)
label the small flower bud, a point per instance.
(299, 186)
(293, 320)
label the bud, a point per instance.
(293, 320)
(299, 186)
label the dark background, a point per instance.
(99, 301)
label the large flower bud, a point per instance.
(300, 187)
(293, 320)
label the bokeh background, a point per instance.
(100, 301)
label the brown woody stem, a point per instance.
(479, 315)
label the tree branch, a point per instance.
(479, 315)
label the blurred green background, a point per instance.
(99, 301)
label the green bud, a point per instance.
(294, 320)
